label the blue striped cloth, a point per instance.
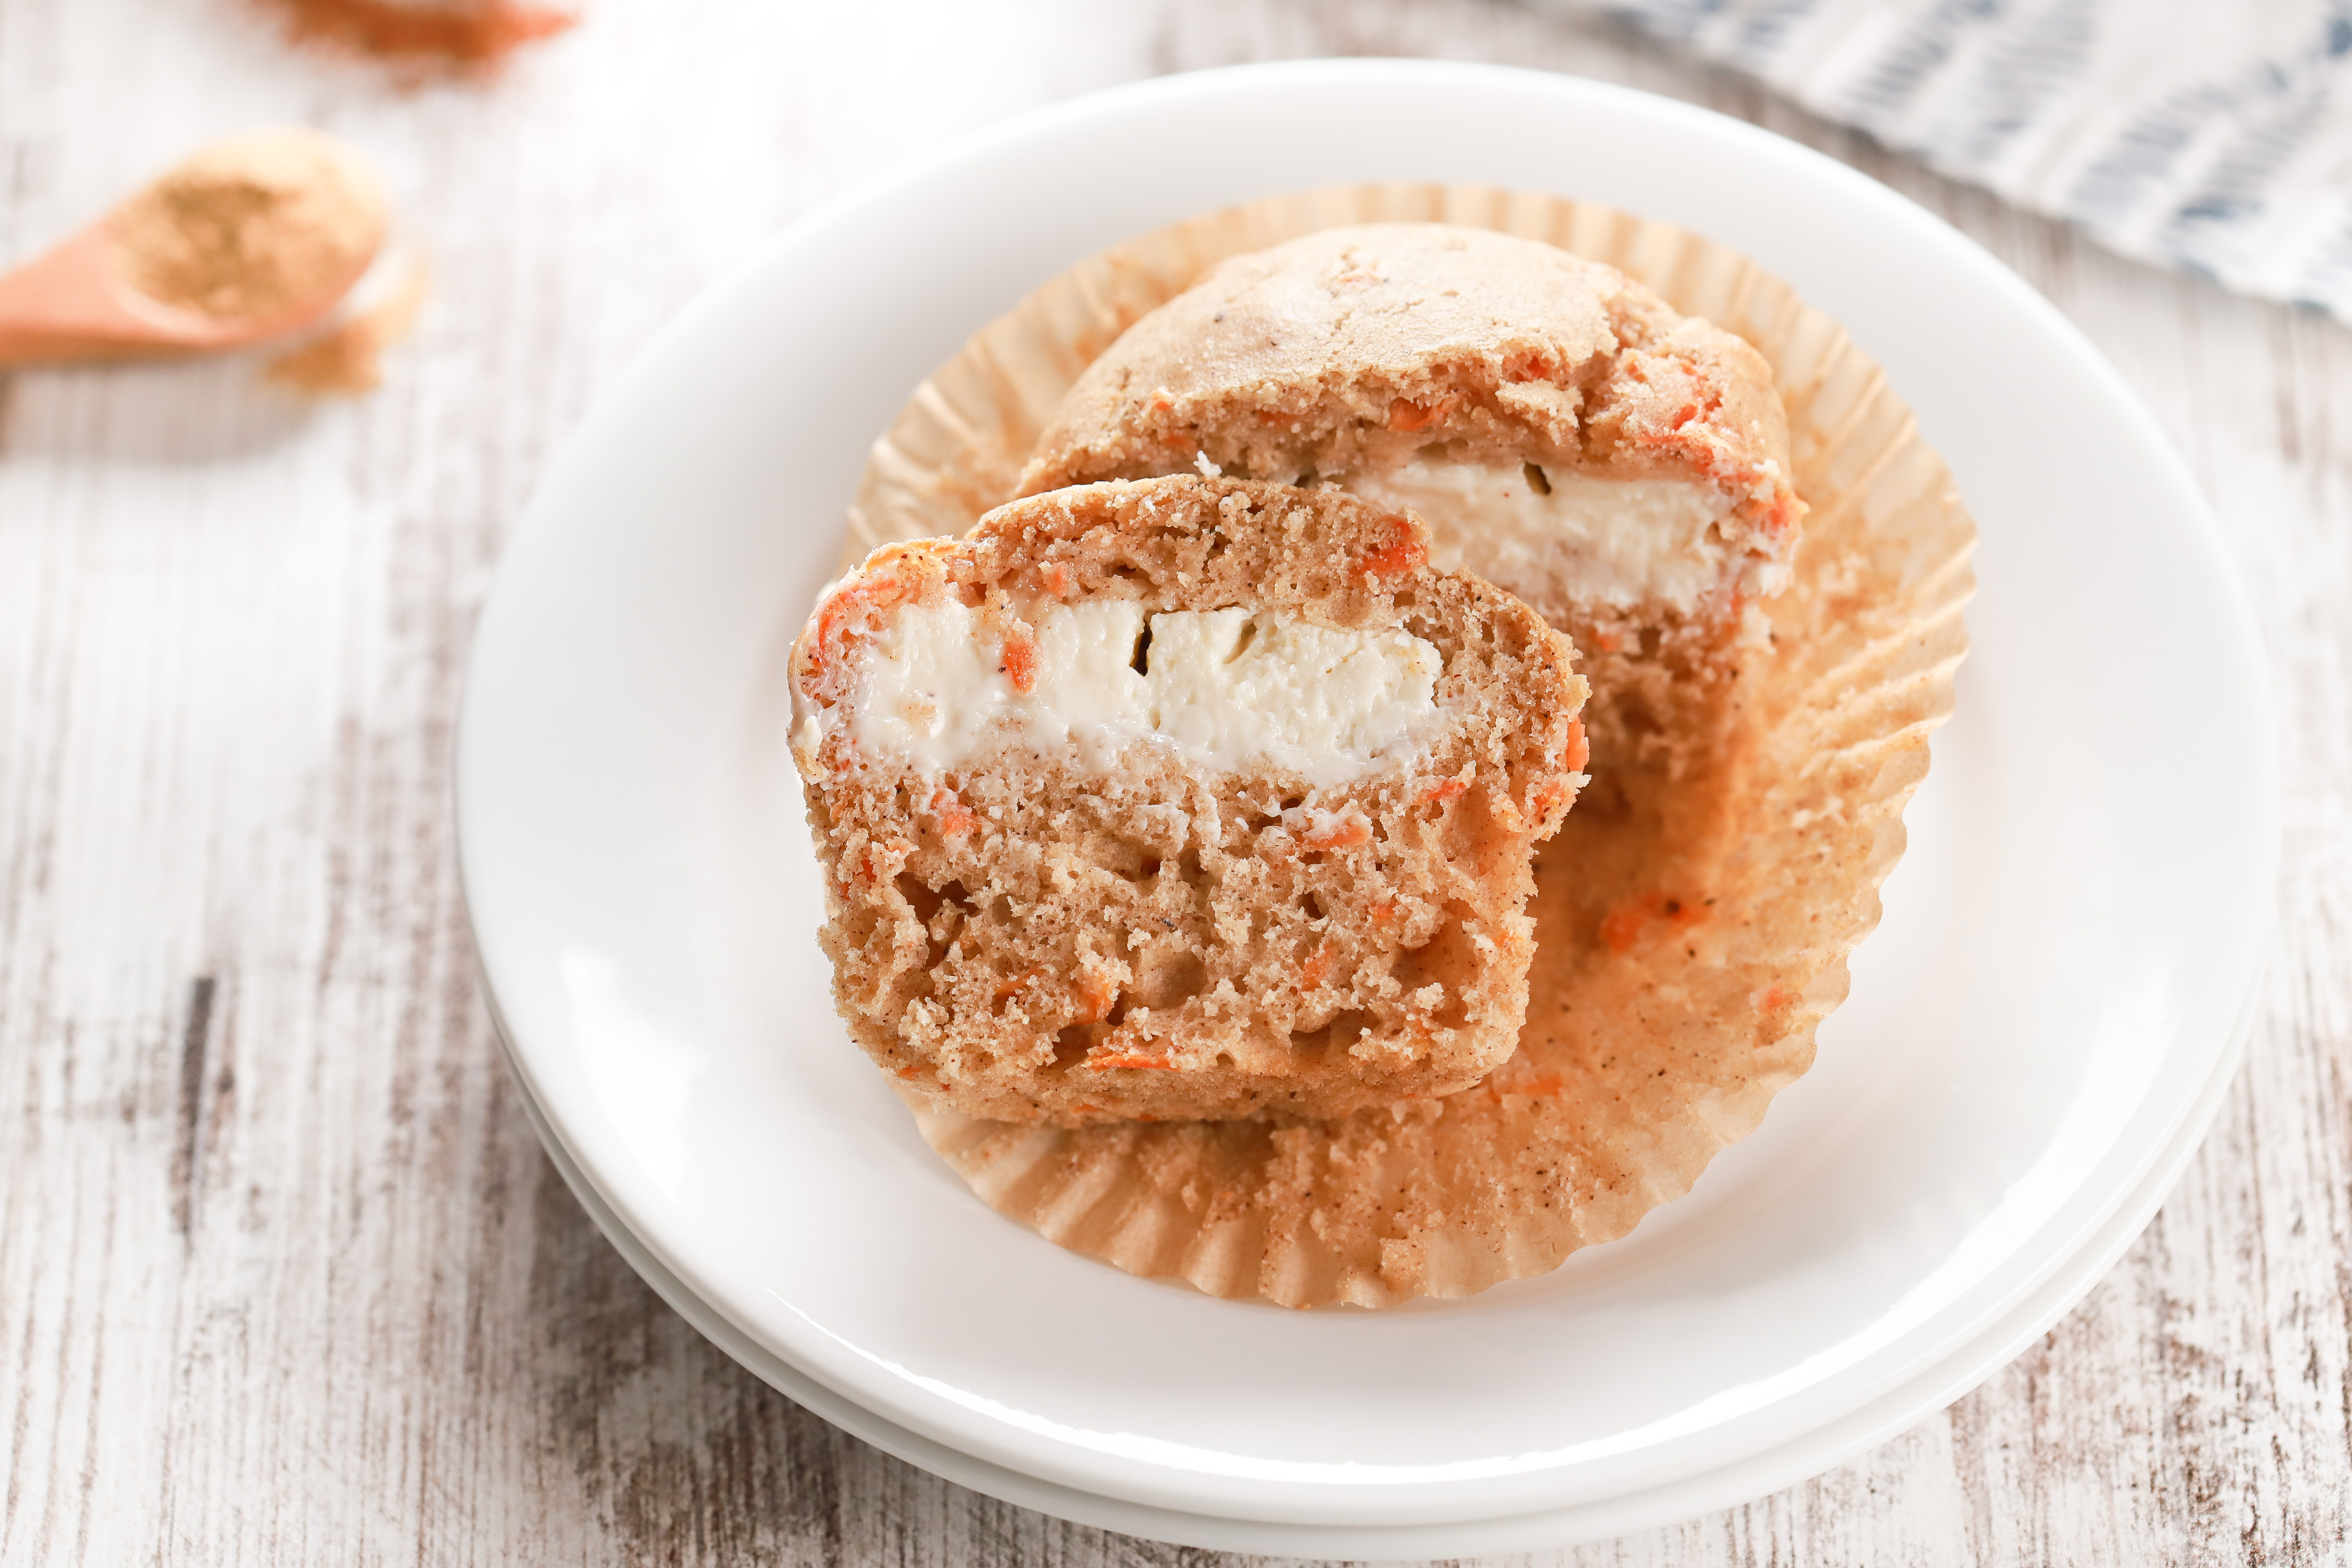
(2214, 135)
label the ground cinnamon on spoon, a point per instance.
(258, 226)
(462, 33)
(250, 228)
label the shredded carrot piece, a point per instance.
(1451, 789)
(1096, 997)
(1578, 750)
(1018, 662)
(1404, 552)
(1014, 983)
(955, 819)
(1404, 415)
(876, 593)
(1347, 833)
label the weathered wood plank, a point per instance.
(283, 1275)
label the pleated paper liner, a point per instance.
(1691, 932)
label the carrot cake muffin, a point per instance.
(1185, 798)
(1559, 428)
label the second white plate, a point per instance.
(1752, 1476)
(2031, 1033)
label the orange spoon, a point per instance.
(253, 236)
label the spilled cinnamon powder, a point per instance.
(476, 34)
(347, 359)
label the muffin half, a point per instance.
(1561, 430)
(1184, 798)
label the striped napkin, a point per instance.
(2214, 135)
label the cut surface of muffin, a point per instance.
(1559, 428)
(1184, 798)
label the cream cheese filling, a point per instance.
(1590, 540)
(1228, 688)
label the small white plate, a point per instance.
(2036, 1036)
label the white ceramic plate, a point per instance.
(2035, 1038)
(1803, 1455)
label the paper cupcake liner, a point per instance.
(1685, 952)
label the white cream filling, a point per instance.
(1229, 688)
(1616, 542)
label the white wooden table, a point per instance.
(283, 1277)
